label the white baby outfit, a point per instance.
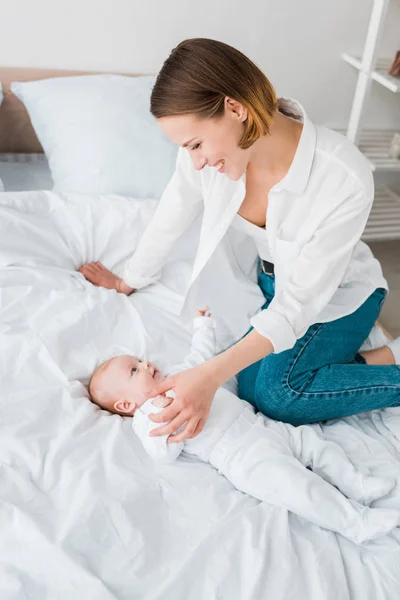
(267, 459)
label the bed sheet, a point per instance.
(84, 513)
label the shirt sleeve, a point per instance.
(202, 348)
(203, 344)
(179, 205)
(156, 447)
(317, 272)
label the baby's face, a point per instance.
(125, 381)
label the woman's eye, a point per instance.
(196, 146)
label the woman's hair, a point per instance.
(198, 75)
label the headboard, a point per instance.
(16, 131)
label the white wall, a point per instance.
(297, 43)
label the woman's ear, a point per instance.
(124, 406)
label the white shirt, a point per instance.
(259, 235)
(315, 217)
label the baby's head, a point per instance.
(119, 384)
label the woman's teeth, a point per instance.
(220, 164)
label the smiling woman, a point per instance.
(219, 138)
(303, 194)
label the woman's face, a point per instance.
(210, 140)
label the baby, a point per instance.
(264, 458)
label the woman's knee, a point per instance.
(270, 395)
(275, 397)
(275, 388)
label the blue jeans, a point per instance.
(323, 376)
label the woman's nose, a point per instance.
(200, 165)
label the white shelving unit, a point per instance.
(384, 220)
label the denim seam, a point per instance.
(295, 359)
(292, 363)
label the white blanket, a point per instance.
(84, 513)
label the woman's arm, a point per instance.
(316, 275)
(250, 349)
(181, 202)
(317, 271)
(123, 288)
(195, 388)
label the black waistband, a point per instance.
(267, 267)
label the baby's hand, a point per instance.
(203, 312)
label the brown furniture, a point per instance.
(16, 131)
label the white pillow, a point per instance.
(98, 134)
(23, 172)
(1, 100)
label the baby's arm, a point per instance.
(202, 346)
(157, 447)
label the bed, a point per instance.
(84, 512)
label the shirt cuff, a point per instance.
(276, 328)
(136, 281)
(204, 322)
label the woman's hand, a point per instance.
(194, 390)
(97, 274)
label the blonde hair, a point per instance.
(198, 75)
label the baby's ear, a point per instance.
(162, 401)
(124, 406)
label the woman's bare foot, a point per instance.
(97, 274)
(379, 356)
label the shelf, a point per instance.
(384, 219)
(375, 144)
(379, 74)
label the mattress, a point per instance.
(84, 512)
(20, 172)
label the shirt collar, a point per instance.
(298, 174)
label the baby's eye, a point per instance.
(196, 146)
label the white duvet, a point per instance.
(84, 513)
